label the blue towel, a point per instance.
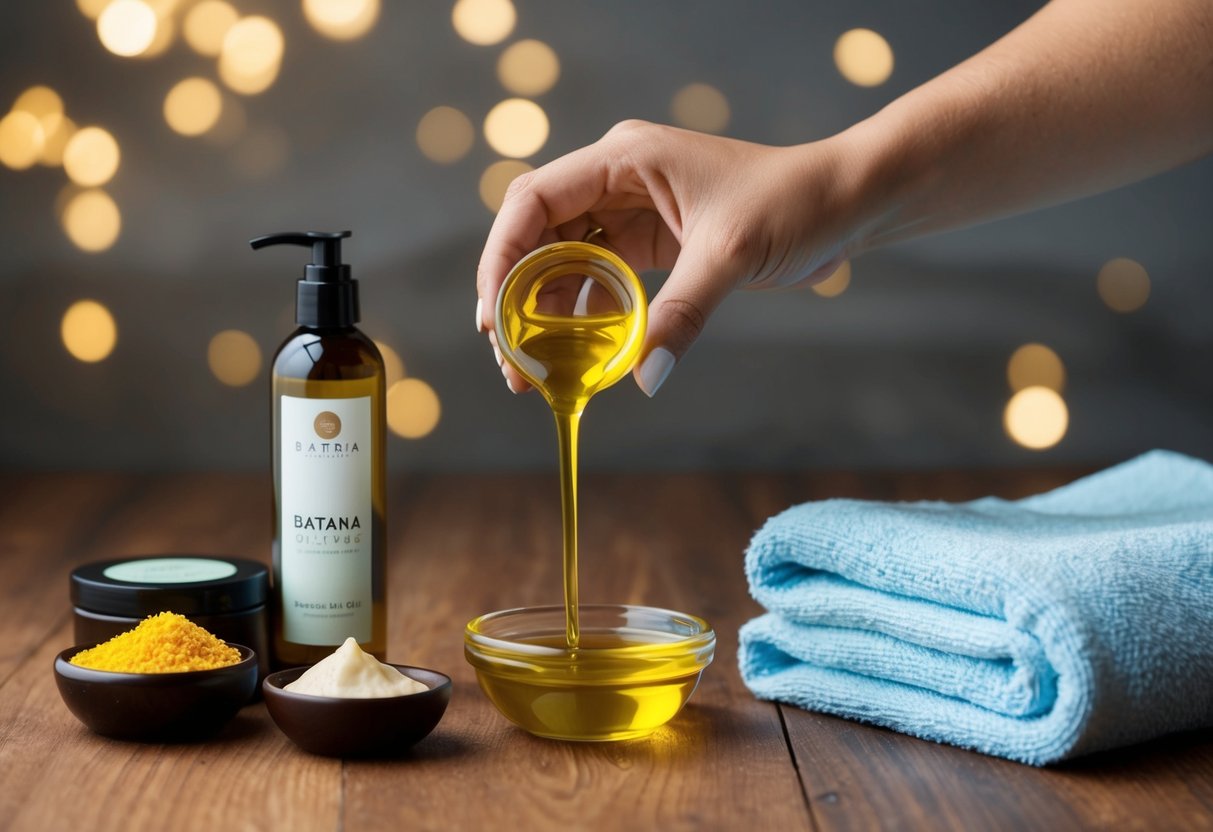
(1040, 629)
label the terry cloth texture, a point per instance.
(1040, 629)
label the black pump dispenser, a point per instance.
(326, 296)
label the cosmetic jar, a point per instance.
(225, 595)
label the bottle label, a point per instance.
(325, 519)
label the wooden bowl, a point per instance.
(156, 707)
(342, 727)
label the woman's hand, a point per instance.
(1085, 96)
(720, 214)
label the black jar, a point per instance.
(225, 595)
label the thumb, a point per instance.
(677, 315)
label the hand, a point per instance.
(721, 214)
(1085, 96)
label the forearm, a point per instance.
(1086, 96)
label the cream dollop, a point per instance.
(352, 674)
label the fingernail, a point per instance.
(654, 370)
(479, 310)
(509, 382)
(500, 357)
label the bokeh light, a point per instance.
(21, 140)
(836, 283)
(528, 67)
(484, 22)
(127, 27)
(393, 367)
(496, 180)
(341, 19)
(1035, 365)
(64, 197)
(445, 135)
(251, 55)
(193, 106)
(88, 331)
(863, 57)
(516, 127)
(91, 220)
(413, 409)
(44, 104)
(56, 141)
(206, 25)
(234, 357)
(91, 156)
(1036, 418)
(92, 8)
(700, 107)
(165, 27)
(1123, 284)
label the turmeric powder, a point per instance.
(162, 643)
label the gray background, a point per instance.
(907, 368)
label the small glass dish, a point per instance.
(349, 727)
(634, 669)
(156, 707)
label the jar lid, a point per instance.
(185, 584)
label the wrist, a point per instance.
(899, 167)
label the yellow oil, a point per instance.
(575, 354)
(595, 692)
(571, 319)
(571, 336)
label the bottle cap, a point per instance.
(326, 296)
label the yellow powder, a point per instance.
(163, 643)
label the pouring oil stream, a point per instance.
(571, 318)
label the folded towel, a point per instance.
(1040, 629)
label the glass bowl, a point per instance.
(634, 669)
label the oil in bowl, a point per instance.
(632, 671)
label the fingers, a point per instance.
(535, 202)
(512, 379)
(699, 282)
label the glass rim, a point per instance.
(703, 635)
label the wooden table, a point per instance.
(465, 544)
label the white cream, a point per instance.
(352, 674)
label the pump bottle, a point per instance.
(329, 572)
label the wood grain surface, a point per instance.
(461, 545)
